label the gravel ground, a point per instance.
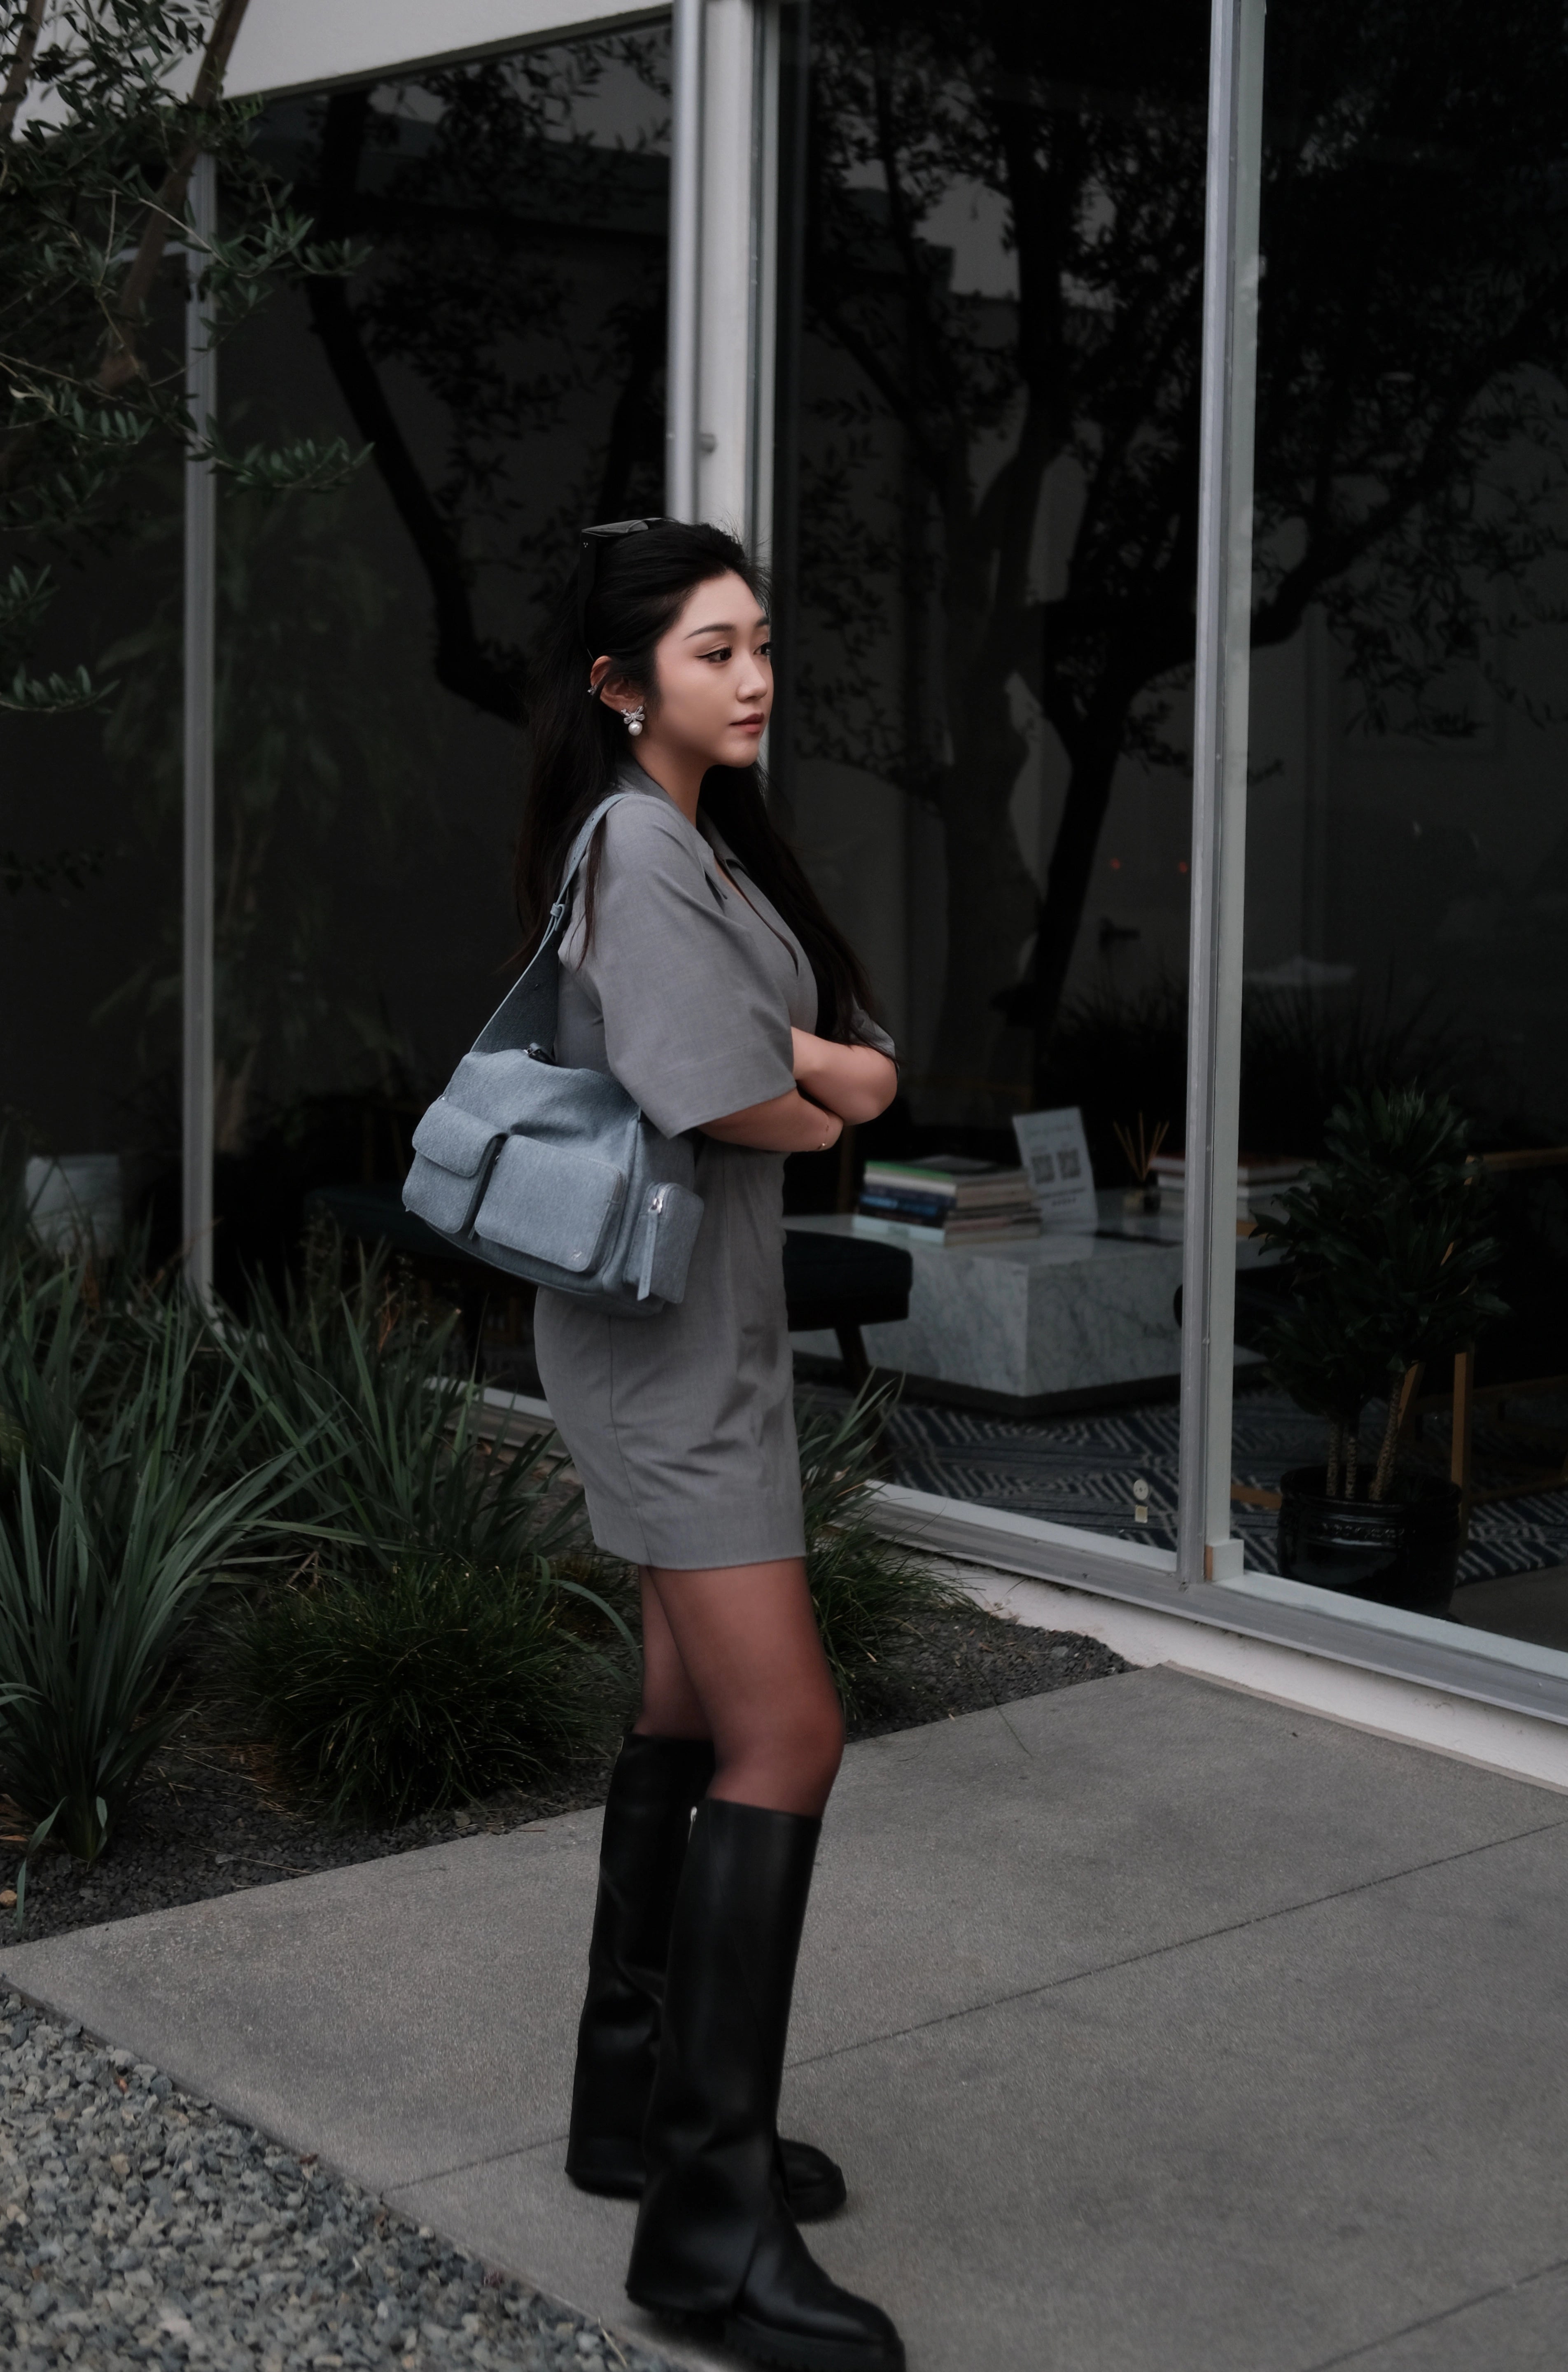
(211, 1818)
(139, 2227)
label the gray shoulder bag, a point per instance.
(556, 1174)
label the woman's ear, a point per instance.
(613, 690)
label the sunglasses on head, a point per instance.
(593, 543)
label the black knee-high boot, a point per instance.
(653, 1789)
(714, 2235)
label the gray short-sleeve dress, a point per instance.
(681, 1425)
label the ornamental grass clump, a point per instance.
(1390, 1246)
(109, 1541)
(399, 1692)
(79, 1339)
(130, 1479)
(440, 1637)
(100, 1570)
(867, 1590)
(401, 1461)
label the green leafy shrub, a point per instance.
(1389, 1245)
(402, 1463)
(867, 1590)
(436, 1682)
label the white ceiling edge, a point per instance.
(289, 46)
(302, 45)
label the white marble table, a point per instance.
(1030, 1322)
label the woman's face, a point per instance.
(713, 678)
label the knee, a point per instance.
(788, 1761)
(814, 1746)
(834, 1739)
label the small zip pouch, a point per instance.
(665, 1240)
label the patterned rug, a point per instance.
(1081, 1470)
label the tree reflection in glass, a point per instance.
(498, 356)
(1001, 227)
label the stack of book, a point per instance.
(1257, 1184)
(950, 1198)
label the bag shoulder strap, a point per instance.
(526, 1017)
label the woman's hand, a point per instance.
(784, 1125)
(856, 1082)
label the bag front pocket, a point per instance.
(662, 1247)
(552, 1204)
(451, 1151)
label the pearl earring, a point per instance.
(634, 717)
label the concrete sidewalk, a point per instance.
(1158, 2026)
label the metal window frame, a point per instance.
(723, 241)
(719, 465)
(685, 259)
(1206, 1551)
(722, 288)
(198, 1033)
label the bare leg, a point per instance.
(746, 1639)
(670, 1707)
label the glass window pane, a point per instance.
(1407, 855)
(992, 283)
(91, 854)
(499, 348)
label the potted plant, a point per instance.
(1389, 1248)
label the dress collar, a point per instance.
(634, 778)
(718, 858)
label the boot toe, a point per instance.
(610, 2168)
(790, 2314)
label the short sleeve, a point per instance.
(863, 1031)
(693, 1026)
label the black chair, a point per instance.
(841, 1283)
(832, 1283)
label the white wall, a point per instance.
(300, 44)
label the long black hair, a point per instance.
(580, 744)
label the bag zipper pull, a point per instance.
(657, 1202)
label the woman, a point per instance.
(701, 971)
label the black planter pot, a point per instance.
(1400, 1552)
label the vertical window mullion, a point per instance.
(685, 258)
(1206, 1551)
(200, 657)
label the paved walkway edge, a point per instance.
(1515, 1744)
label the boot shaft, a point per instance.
(710, 2142)
(654, 1787)
(735, 1940)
